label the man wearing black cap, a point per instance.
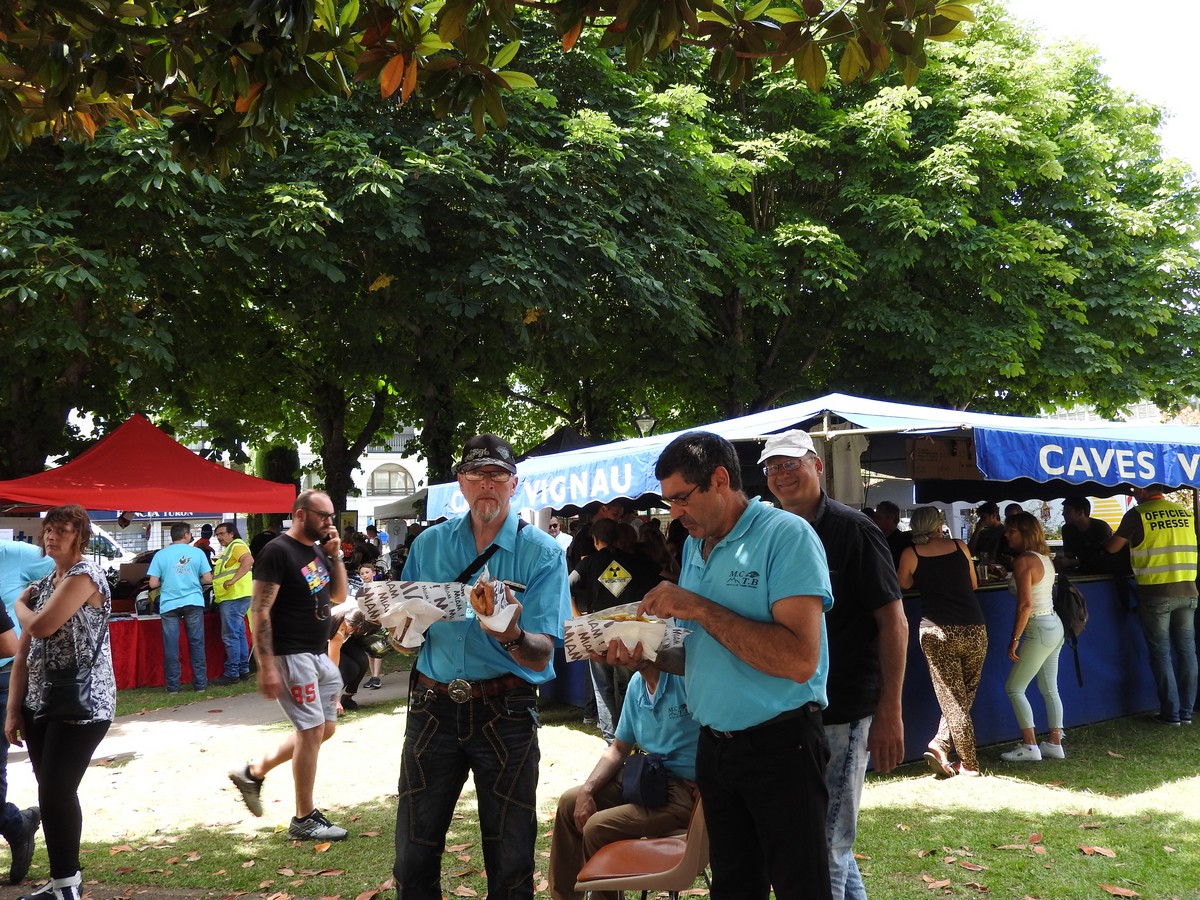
(473, 706)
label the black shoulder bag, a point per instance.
(67, 693)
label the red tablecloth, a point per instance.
(137, 649)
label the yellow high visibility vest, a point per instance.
(225, 566)
(1167, 553)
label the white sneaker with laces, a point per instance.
(1022, 753)
(1052, 751)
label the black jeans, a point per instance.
(60, 753)
(11, 822)
(764, 803)
(496, 740)
(353, 664)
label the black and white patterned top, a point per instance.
(71, 645)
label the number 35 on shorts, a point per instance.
(304, 693)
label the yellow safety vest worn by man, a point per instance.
(225, 567)
(1162, 539)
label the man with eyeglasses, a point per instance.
(752, 591)
(180, 572)
(559, 533)
(868, 640)
(298, 577)
(473, 702)
(231, 593)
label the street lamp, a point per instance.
(644, 422)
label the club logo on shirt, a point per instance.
(615, 579)
(679, 712)
(742, 578)
(316, 575)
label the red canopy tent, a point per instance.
(139, 467)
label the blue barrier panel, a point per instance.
(571, 682)
(1112, 656)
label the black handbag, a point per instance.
(67, 693)
(644, 780)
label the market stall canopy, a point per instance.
(139, 467)
(952, 455)
(410, 507)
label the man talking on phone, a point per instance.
(298, 577)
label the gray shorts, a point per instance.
(311, 685)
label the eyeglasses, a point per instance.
(476, 475)
(790, 466)
(326, 516)
(680, 501)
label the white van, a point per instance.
(101, 547)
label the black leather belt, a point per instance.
(460, 690)
(807, 709)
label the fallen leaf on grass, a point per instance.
(248, 864)
(193, 856)
(462, 873)
(983, 889)
(1039, 849)
(219, 872)
(938, 885)
(1035, 838)
(543, 885)
(367, 895)
(463, 891)
(1102, 851)
(921, 854)
(172, 860)
(285, 871)
(1170, 849)
(457, 848)
(125, 870)
(123, 848)
(1116, 756)
(1013, 847)
(1119, 891)
(972, 867)
(263, 885)
(369, 834)
(861, 856)
(321, 847)
(949, 859)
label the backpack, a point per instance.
(1071, 607)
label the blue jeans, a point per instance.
(11, 823)
(193, 623)
(496, 740)
(609, 684)
(764, 803)
(1171, 622)
(233, 635)
(844, 780)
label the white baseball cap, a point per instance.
(790, 443)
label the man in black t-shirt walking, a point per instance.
(297, 578)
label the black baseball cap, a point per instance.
(487, 450)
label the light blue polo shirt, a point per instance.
(21, 564)
(767, 556)
(661, 724)
(531, 557)
(179, 567)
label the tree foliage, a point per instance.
(227, 73)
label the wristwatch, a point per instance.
(514, 643)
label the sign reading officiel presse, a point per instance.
(1003, 456)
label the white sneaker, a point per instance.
(1052, 751)
(1022, 753)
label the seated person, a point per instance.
(986, 540)
(1084, 539)
(655, 718)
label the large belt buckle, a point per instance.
(459, 690)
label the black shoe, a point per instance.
(245, 676)
(349, 704)
(21, 846)
(1165, 720)
(315, 827)
(225, 680)
(250, 788)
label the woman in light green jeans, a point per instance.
(1037, 638)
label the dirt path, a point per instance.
(166, 770)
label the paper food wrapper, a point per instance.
(593, 633)
(407, 608)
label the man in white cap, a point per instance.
(868, 639)
(473, 703)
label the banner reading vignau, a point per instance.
(565, 479)
(1007, 455)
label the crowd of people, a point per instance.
(787, 686)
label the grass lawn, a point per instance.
(1119, 817)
